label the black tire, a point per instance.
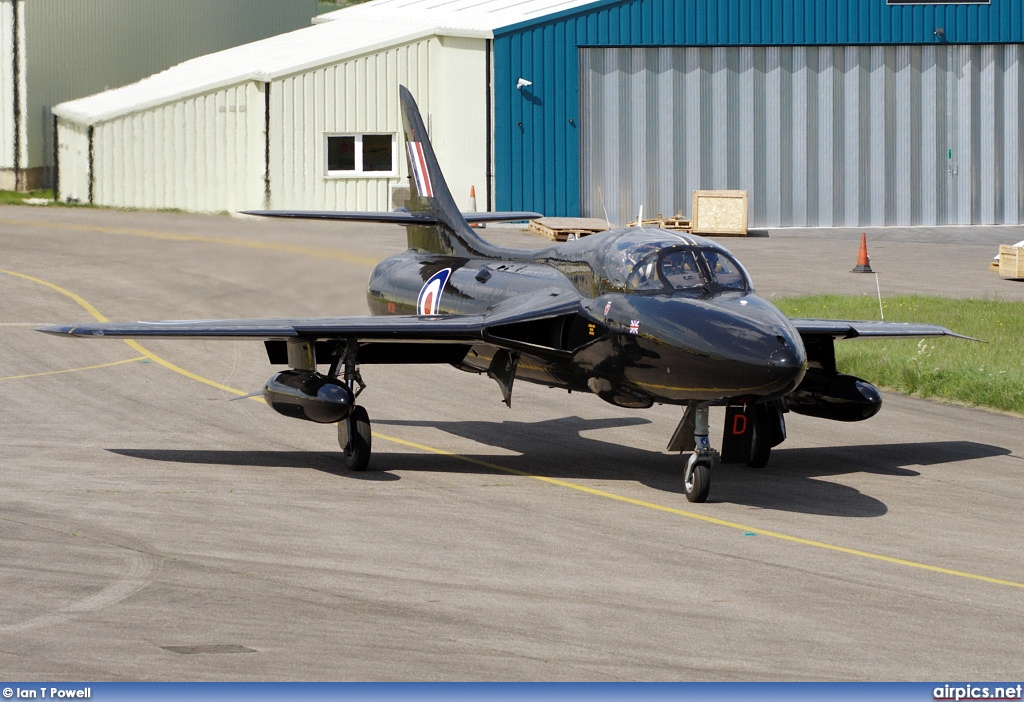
(357, 453)
(760, 444)
(699, 486)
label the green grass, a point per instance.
(983, 375)
(10, 197)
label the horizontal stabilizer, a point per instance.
(403, 217)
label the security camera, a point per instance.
(523, 83)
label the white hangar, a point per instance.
(57, 50)
(305, 120)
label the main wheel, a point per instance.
(760, 446)
(699, 484)
(357, 450)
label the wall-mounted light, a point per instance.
(523, 83)
(940, 32)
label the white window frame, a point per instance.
(359, 172)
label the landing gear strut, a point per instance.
(354, 435)
(697, 476)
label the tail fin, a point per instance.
(429, 194)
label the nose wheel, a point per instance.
(697, 479)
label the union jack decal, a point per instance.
(419, 169)
(634, 326)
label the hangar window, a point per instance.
(360, 154)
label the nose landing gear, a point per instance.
(750, 433)
(697, 476)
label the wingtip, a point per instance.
(63, 329)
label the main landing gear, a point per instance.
(354, 435)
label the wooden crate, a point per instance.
(563, 228)
(1011, 262)
(720, 212)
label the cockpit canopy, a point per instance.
(657, 261)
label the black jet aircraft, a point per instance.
(636, 316)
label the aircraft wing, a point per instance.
(410, 327)
(846, 329)
(496, 327)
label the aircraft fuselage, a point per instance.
(631, 347)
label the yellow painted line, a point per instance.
(561, 483)
(82, 302)
(74, 370)
(311, 251)
(181, 371)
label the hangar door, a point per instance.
(818, 136)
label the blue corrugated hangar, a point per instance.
(838, 113)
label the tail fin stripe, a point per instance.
(419, 169)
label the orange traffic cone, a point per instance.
(863, 262)
(472, 207)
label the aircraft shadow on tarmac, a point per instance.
(557, 449)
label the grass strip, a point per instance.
(987, 375)
(12, 197)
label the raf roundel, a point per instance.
(430, 293)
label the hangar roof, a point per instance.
(334, 36)
(487, 15)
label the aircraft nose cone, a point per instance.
(788, 362)
(788, 355)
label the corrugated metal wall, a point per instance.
(819, 136)
(205, 153)
(13, 141)
(458, 115)
(209, 152)
(86, 46)
(361, 95)
(73, 149)
(537, 155)
(6, 84)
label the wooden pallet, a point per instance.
(565, 228)
(676, 221)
